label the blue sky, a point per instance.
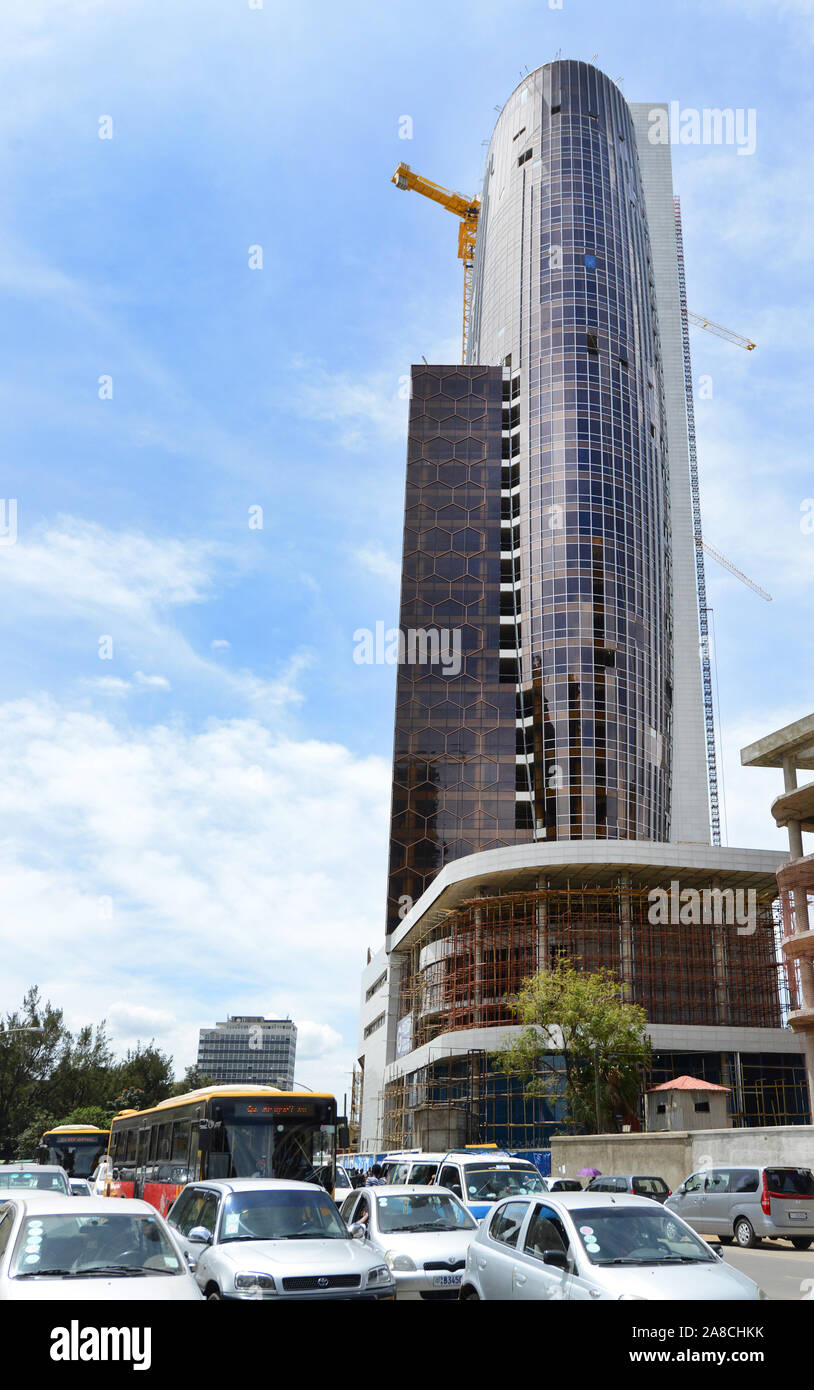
(220, 786)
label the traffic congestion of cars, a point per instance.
(465, 1225)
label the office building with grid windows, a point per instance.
(546, 789)
(248, 1048)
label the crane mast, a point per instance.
(468, 210)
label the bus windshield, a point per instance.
(294, 1140)
(78, 1154)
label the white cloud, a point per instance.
(158, 682)
(109, 685)
(126, 587)
(84, 567)
(363, 409)
(220, 645)
(376, 559)
(235, 863)
(316, 1041)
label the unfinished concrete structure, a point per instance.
(792, 748)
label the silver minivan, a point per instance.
(749, 1204)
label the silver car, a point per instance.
(584, 1245)
(28, 1177)
(749, 1204)
(54, 1247)
(258, 1238)
(422, 1233)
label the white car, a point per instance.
(101, 1178)
(344, 1186)
(422, 1233)
(88, 1248)
(260, 1238)
(583, 1245)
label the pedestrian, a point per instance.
(374, 1177)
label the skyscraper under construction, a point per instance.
(551, 782)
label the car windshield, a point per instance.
(501, 1180)
(650, 1187)
(287, 1215)
(118, 1245)
(419, 1212)
(566, 1185)
(422, 1174)
(620, 1236)
(790, 1182)
(32, 1180)
(342, 1178)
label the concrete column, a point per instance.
(625, 933)
(477, 961)
(808, 1041)
(719, 967)
(543, 957)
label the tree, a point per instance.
(582, 1042)
(83, 1072)
(27, 1062)
(146, 1069)
(194, 1079)
(99, 1115)
(30, 1138)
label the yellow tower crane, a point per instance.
(733, 569)
(726, 333)
(468, 209)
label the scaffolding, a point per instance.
(463, 971)
(713, 967)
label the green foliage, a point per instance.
(53, 1076)
(99, 1115)
(132, 1098)
(29, 1138)
(146, 1069)
(194, 1080)
(582, 1042)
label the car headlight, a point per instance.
(378, 1277)
(257, 1284)
(397, 1261)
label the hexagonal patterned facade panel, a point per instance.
(448, 800)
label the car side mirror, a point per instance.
(558, 1258)
(199, 1235)
(357, 1231)
(115, 1175)
(717, 1250)
(680, 1190)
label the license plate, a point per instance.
(797, 1215)
(446, 1281)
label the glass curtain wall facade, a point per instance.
(251, 1049)
(564, 297)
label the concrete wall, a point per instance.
(674, 1156)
